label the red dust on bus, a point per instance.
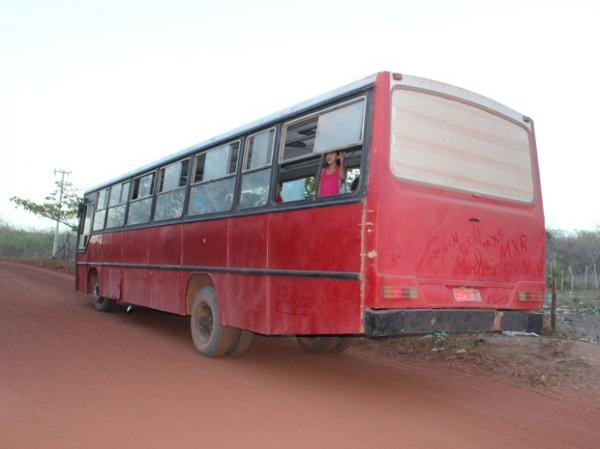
(437, 226)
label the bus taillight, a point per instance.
(530, 296)
(394, 292)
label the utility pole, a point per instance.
(62, 185)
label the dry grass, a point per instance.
(540, 362)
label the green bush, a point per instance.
(23, 243)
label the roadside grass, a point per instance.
(585, 301)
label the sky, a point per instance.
(101, 88)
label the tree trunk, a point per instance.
(572, 277)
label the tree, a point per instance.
(64, 211)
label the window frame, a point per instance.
(89, 202)
(105, 208)
(244, 172)
(119, 204)
(286, 126)
(246, 149)
(139, 199)
(185, 188)
(234, 174)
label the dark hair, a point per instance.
(337, 161)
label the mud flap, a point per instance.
(387, 323)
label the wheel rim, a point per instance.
(204, 321)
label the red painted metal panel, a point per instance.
(245, 303)
(136, 246)
(318, 239)
(112, 246)
(135, 287)
(111, 282)
(205, 243)
(243, 300)
(436, 240)
(166, 249)
(313, 306)
(247, 242)
(166, 291)
(94, 249)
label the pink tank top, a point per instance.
(330, 183)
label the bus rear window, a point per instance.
(448, 143)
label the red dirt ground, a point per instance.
(74, 378)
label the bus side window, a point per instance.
(256, 171)
(170, 197)
(214, 179)
(86, 227)
(298, 181)
(100, 215)
(141, 200)
(299, 164)
(353, 170)
(119, 193)
(306, 142)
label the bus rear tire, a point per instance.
(101, 304)
(324, 343)
(211, 339)
(343, 344)
(243, 344)
(317, 344)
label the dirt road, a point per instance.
(71, 377)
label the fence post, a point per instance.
(553, 304)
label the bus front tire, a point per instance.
(101, 304)
(211, 339)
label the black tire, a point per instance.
(317, 344)
(343, 344)
(325, 343)
(101, 304)
(242, 345)
(211, 339)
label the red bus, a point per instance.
(395, 205)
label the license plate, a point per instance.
(463, 294)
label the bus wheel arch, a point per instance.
(101, 304)
(195, 283)
(92, 279)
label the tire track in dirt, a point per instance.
(74, 378)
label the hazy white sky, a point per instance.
(100, 88)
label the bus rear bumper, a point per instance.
(388, 323)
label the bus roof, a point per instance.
(345, 90)
(406, 80)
